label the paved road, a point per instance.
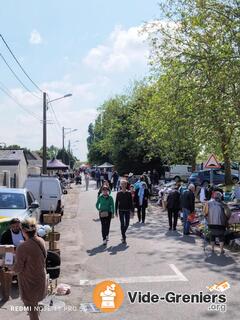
(154, 259)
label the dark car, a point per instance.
(202, 177)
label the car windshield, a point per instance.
(12, 201)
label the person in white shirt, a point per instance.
(14, 234)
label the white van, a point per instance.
(178, 172)
(48, 192)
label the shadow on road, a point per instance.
(188, 239)
(113, 250)
(220, 260)
(156, 229)
(173, 233)
(96, 250)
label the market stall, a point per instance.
(198, 224)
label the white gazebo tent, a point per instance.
(106, 165)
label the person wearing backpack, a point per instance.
(105, 206)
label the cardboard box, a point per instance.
(7, 248)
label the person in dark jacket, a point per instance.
(13, 236)
(115, 178)
(124, 207)
(173, 207)
(188, 206)
(143, 196)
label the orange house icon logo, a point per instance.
(108, 296)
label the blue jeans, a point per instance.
(186, 223)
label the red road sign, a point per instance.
(212, 163)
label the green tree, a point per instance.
(200, 46)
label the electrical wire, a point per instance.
(16, 76)
(54, 114)
(14, 57)
(6, 91)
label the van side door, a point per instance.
(50, 195)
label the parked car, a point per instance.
(17, 203)
(202, 177)
(47, 190)
(234, 168)
(178, 172)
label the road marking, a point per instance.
(178, 276)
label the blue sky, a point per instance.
(89, 48)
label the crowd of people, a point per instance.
(215, 210)
(132, 193)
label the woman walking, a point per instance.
(124, 207)
(217, 219)
(30, 268)
(105, 206)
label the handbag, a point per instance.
(103, 214)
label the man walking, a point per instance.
(124, 206)
(173, 207)
(188, 206)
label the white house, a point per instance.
(13, 168)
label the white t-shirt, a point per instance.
(202, 195)
(17, 238)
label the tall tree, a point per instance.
(201, 44)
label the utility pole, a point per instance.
(63, 137)
(44, 162)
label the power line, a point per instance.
(16, 76)
(54, 114)
(6, 91)
(20, 64)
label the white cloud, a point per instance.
(74, 112)
(35, 37)
(123, 49)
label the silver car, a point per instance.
(18, 203)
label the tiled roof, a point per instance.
(11, 154)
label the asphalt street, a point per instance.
(154, 259)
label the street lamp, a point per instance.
(74, 144)
(66, 131)
(45, 107)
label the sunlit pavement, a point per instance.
(154, 259)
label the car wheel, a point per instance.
(235, 180)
